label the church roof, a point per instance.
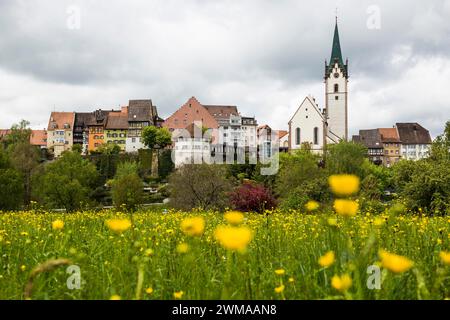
(336, 54)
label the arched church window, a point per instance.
(336, 88)
(316, 135)
(297, 136)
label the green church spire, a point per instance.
(336, 54)
(336, 51)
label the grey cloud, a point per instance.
(254, 53)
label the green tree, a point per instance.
(300, 179)
(66, 183)
(19, 133)
(440, 149)
(11, 184)
(156, 139)
(127, 187)
(346, 158)
(25, 159)
(106, 158)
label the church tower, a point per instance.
(336, 94)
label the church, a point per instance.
(315, 126)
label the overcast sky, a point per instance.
(263, 56)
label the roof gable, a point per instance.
(188, 113)
(312, 103)
(61, 120)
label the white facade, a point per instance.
(336, 86)
(414, 151)
(191, 151)
(238, 130)
(306, 126)
(134, 144)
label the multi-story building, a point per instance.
(234, 130)
(387, 146)
(141, 114)
(230, 133)
(97, 129)
(391, 144)
(81, 130)
(415, 141)
(60, 132)
(193, 148)
(372, 140)
(117, 128)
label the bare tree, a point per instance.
(199, 186)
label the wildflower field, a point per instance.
(208, 255)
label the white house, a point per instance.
(191, 146)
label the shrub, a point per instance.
(252, 197)
(199, 186)
(127, 187)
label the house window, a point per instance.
(316, 135)
(336, 98)
(336, 88)
(297, 136)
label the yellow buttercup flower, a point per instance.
(234, 217)
(178, 294)
(394, 262)
(233, 238)
(346, 208)
(332, 222)
(280, 272)
(379, 222)
(291, 279)
(115, 297)
(344, 184)
(327, 260)
(312, 205)
(183, 248)
(148, 252)
(118, 225)
(149, 290)
(445, 257)
(23, 267)
(193, 226)
(341, 283)
(57, 224)
(279, 289)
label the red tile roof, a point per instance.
(59, 119)
(38, 137)
(389, 135)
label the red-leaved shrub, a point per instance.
(252, 197)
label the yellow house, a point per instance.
(116, 128)
(391, 145)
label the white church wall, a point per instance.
(307, 118)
